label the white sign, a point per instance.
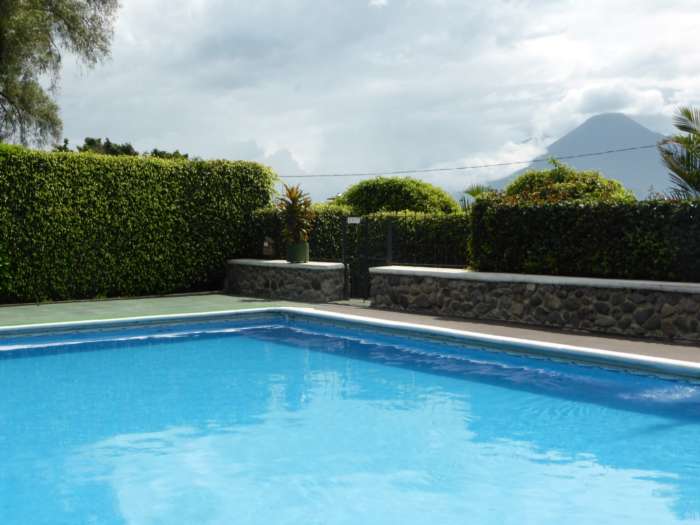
(354, 220)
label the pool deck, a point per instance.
(212, 302)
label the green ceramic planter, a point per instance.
(298, 252)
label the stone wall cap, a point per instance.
(282, 264)
(454, 273)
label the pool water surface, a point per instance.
(278, 421)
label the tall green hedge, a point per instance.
(83, 225)
(657, 240)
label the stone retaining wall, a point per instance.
(658, 310)
(309, 282)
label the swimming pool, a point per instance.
(281, 416)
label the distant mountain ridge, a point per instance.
(637, 170)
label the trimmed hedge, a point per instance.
(440, 239)
(657, 240)
(84, 225)
(421, 238)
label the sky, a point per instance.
(372, 85)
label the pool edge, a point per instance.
(579, 354)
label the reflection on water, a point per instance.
(292, 427)
(437, 474)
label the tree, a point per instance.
(681, 154)
(396, 194)
(93, 145)
(33, 35)
(174, 155)
(62, 148)
(473, 192)
(107, 147)
(477, 190)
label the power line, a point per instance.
(472, 167)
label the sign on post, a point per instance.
(354, 220)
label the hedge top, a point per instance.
(265, 173)
(397, 194)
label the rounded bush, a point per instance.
(397, 194)
(562, 183)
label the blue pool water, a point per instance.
(270, 421)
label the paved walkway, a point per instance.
(120, 308)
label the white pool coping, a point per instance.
(282, 264)
(467, 275)
(584, 355)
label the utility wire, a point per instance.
(472, 167)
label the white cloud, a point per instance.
(344, 86)
(615, 96)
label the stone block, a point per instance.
(309, 282)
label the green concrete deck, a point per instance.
(120, 308)
(182, 304)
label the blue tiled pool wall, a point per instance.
(429, 353)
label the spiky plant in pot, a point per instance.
(297, 222)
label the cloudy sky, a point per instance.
(313, 86)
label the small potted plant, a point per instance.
(297, 221)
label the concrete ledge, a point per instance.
(313, 282)
(452, 273)
(646, 309)
(281, 263)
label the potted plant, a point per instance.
(297, 221)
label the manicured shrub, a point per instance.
(657, 240)
(397, 194)
(562, 183)
(83, 225)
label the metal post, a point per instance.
(365, 257)
(346, 291)
(389, 241)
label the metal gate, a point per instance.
(368, 242)
(365, 245)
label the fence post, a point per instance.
(346, 291)
(365, 257)
(389, 241)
